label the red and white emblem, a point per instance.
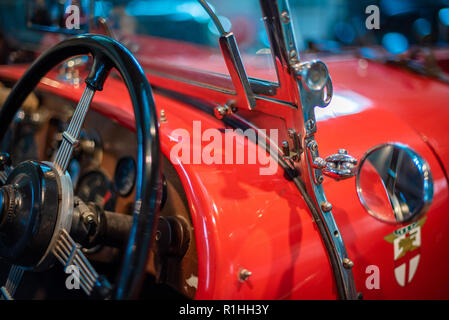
(407, 251)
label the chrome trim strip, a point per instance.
(214, 88)
(338, 246)
(233, 60)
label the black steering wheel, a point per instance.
(36, 199)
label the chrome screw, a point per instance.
(310, 124)
(312, 145)
(244, 274)
(285, 17)
(221, 111)
(326, 206)
(347, 263)
(293, 56)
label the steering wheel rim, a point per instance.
(108, 53)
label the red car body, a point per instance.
(262, 223)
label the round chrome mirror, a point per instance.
(394, 183)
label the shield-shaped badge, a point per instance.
(406, 245)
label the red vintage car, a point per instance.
(217, 161)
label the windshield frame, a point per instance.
(277, 92)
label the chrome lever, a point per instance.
(338, 166)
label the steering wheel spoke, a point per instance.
(14, 277)
(71, 135)
(69, 253)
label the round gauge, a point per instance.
(94, 186)
(125, 176)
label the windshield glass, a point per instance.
(402, 24)
(180, 32)
(164, 32)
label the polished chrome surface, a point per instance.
(394, 183)
(338, 166)
(228, 45)
(315, 90)
(331, 225)
(245, 95)
(222, 110)
(72, 134)
(315, 87)
(69, 254)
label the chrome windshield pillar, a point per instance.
(311, 87)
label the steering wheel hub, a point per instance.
(29, 207)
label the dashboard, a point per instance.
(103, 172)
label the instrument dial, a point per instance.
(125, 176)
(95, 187)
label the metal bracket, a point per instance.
(233, 60)
(295, 153)
(315, 90)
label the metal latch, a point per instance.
(338, 166)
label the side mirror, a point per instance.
(68, 17)
(394, 183)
